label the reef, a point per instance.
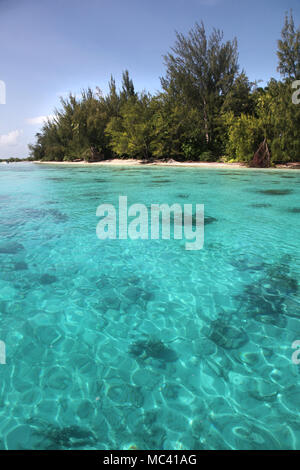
(69, 437)
(152, 348)
(20, 266)
(226, 336)
(275, 192)
(294, 210)
(265, 300)
(260, 206)
(48, 279)
(11, 248)
(207, 220)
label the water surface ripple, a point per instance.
(112, 344)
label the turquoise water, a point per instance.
(112, 344)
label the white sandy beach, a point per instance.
(133, 162)
(130, 162)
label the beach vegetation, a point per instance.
(207, 109)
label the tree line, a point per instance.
(207, 110)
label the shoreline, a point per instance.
(172, 163)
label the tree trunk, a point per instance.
(95, 155)
(205, 121)
(262, 158)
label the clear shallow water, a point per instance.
(111, 344)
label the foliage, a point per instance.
(131, 133)
(244, 136)
(280, 119)
(202, 71)
(206, 110)
(289, 49)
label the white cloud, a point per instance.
(38, 120)
(11, 138)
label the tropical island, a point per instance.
(207, 111)
(149, 244)
(16, 160)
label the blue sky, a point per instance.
(51, 47)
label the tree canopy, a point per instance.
(207, 109)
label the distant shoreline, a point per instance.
(132, 162)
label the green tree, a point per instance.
(112, 100)
(206, 109)
(131, 134)
(77, 130)
(244, 136)
(289, 49)
(202, 71)
(177, 128)
(240, 99)
(127, 87)
(280, 121)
